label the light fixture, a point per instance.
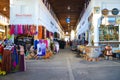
(66, 32)
(4, 9)
(68, 20)
(68, 7)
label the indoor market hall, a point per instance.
(59, 39)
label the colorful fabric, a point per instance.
(39, 49)
(35, 44)
(16, 30)
(40, 32)
(6, 61)
(43, 48)
(47, 33)
(20, 29)
(11, 29)
(0, 58)
(46, 43)
(21, 63)
(1, 49)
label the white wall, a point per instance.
(83, 24)
(23, 7)
(109, 4)
(37, 11)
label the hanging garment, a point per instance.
(43, 33)
(21, 59)
(23, 27)
(1, 49)
(20, 29)
(47, 34)
(55, 34)
(11, 29)
(43, 48)
(46, 43)
(35, 44)
(0, 59)
(6, 61)
(26, 29)
(22, 66)
(40, 32)
(32, 29)
(39, 49)
(16, 29)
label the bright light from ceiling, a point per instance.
(66, 32)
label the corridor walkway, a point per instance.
(66, 66)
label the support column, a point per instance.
(119, 35)
(96, 29)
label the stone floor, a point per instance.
(66, 66)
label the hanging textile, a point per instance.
(25, 29)
(1, 49)
(11, 29)
(40, 32)
(32, 29)
(41, 48)
(35, 44)
(55, 34)
(16, 30)
(46, 43)
(20, 29)
(21, 59)
(6, 61)
(47, 33)
(43, 32)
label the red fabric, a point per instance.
(1, 49)
(20, 29)
(12, 29)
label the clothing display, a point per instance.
(21, 58)
(22, 29)
(6, 61)
(40, 32)
(41, 48)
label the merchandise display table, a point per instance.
(92, 52)
(117, 53)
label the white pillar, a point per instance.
(96, 29)
(119, 35)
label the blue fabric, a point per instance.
(35, 44)
(15, 56)
(43, 49)
(0, 57)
